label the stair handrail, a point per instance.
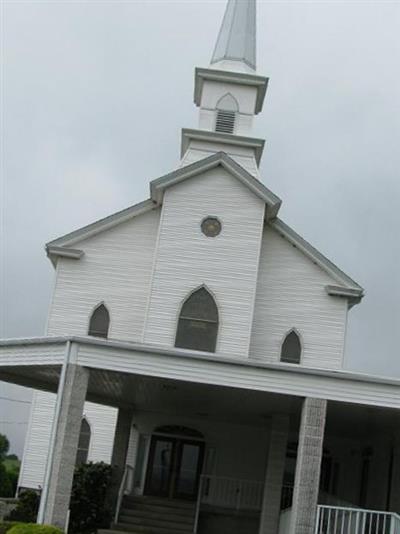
(198, 504)
(129, 470)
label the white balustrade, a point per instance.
(229, 492)
(344, 520)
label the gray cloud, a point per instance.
(95, 95)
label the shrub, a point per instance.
(88, 506)
(5, 526)
(27, 507)
(32, 528)
(6, 488)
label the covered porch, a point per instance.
(243, 447)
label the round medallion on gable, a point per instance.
(211, 226)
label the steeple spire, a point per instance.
(237, 37)
(229, 94)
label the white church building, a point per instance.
(196, 343)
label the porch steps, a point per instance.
(149, 515)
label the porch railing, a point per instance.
(343, 520)
(124, 489)
(229, 492)
(226, 492)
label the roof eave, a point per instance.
(353, 295)
(255, 143)
(101, 225)
(55, 252)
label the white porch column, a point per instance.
(308, 466)
(270, 512)
(120, 450)
(71, 399)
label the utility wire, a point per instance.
(14, 400)
(13, 422)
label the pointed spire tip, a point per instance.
(237, 37)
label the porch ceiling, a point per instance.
(361, 422)
(187, 398)
(42, 377)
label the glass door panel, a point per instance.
(189, 467)
(160, 466)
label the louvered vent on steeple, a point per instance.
(225, 122)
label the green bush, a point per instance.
(27, 507)
(5, 526)
(89, 509)
(6, 485)
(33, 528)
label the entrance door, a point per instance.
(174, 467)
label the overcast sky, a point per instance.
(95, 95)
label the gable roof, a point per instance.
(157, 188)
(347, 287)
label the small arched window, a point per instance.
(198, 322)
(99, 322)
(291, 348)
(84, 443)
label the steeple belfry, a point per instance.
(236, 42)
(229, 93)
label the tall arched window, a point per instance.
(84, 443)
(99, 322)
(291, 348)
(198, 322)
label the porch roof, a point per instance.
(36, 363)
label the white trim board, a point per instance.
(192, 366)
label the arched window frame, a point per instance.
(220, 104)
(182, 303)
(94, 309)
(82, 453)
(299, 337)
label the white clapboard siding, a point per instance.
(102, 420)
(291, 294)
(37, 441)
(248, 162)
(226, 264)
(116, 270)
(201, 148)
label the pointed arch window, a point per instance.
(291, 348)
(198, 322)
(84, 443)
(99, 322)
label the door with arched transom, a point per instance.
(175, 462)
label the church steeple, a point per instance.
(236, 43)
(229, 93)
